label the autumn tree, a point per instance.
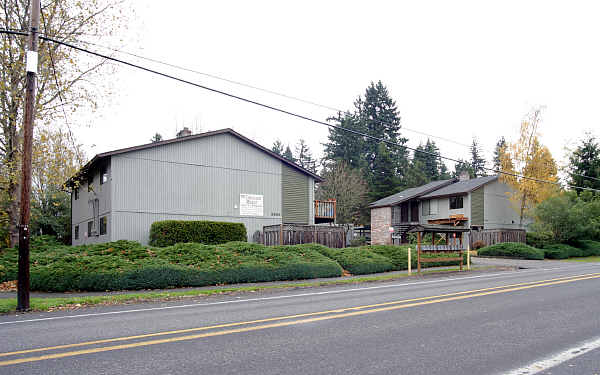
(67, 81)
(527, 163)
(348, 187)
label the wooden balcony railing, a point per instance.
(325, 209)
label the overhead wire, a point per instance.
(296, 115)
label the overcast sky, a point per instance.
(456, 69)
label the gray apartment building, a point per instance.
(218, 175)
(479, 204)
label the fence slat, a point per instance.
(330, 236)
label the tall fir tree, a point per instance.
(585, 161)
(287, 154)
(463, 166)
(304, 156)
(477, 160)
(498, 151)
(383, 180)
(375, 115)
(278, 147)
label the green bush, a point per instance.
(398, 256)
(170, 232)
(539, 239)
(561, 251)
(129, 265)
(357, 260)
(588, 248)
(512, 250)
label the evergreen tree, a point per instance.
(500, 148)
(383, 180)
(477, 160)
(431, 166)
(461, 166)
(287, 154)
(277, 147)
(156, 138)
(304, 156)
(585, 161)
(375, 115)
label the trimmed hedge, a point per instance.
(357, 260)
(128, 265)
(512, 250)
(539, 239)
(588, 248)
(170, 232)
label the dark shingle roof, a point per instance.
(410, 193)
(461, 187)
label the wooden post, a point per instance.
(461, 251)
(280, 234)
(419, 252)
(409, 265)
(469, 254)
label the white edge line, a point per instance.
(557, 359)
(491, 276)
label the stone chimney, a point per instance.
(464, 176)
(184, 132)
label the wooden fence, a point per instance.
(293, 234)
(493, 236)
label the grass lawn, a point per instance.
(584, 259)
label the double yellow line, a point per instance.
(282, 321)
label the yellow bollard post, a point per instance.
(409, 262)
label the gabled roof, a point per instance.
(461, 187)
(411, 193)
(99, 157)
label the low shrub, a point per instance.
(561, 251)
(398, 255)
(360, 241)
(539, 239)
(129, 265)
(588, 248)
(512, 250)
(357, 260)
(170, 232)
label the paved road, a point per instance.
(489, 323)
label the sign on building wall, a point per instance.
(251, 205)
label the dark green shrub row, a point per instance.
(512, 250)
(170, 232)
(129, 265)
(587, 248)
(560, 251)
(539, 239)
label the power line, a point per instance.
(303, 117)
(272, 92)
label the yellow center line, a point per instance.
(285, 317)
(295, 322)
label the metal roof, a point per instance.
(99, 157)
(411, 193)
(460, 187)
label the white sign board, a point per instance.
(251, 205)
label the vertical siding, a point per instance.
(295, 196)
(499, 211)
(82, 208)
(199, 179)
(477, 206)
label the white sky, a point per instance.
(456, 69)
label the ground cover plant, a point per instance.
(129, 265)
(512, 250)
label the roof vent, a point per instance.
(464, 176)
(184, 132)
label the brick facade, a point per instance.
(381, 220)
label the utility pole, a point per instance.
(29, 114)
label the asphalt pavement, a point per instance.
(461, 323)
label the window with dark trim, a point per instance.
(90, 227)
(90, 183)
(103, 225)
(456, 202)
(76, 235)
(75, 193)
(103, 175)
